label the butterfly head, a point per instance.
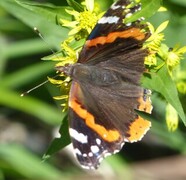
(66, 70)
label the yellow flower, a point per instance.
(156, 38)
(69, 55)
(65, 88)
(175, 55)
(84, 21)
(153, 43)
(151, 60)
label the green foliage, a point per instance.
(76, 6)
(26, 164)
(59, 143)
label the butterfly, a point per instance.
(105, 89)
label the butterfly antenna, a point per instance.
(42, 37)
(39, 85)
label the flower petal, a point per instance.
(89, 5)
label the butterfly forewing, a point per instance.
(111, 35)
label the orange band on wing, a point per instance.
(108, 135)
(111, 37)
(138, 129)
(145, 105)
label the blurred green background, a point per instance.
(28, 124)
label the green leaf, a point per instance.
(181, 3)
(161, 82)
(2, 175)
(148, 9)
(76, 6)
(39, 17)
(43, 111)
(27, 75)
(25, 47)
(26, 164)
(49, 11)
(59, 143)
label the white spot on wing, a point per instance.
(100, 159)
(80, 137)
(138, 9)
(142, 19)
(114, 6)
(98, 141)
(128, 15)
(94, 149)
(116, 151)
(107, 154)
(122, 144)
(90, 154)
(84, 155)
(87, 167)
(129, 24)
(109, 20)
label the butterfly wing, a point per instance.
(111, 35)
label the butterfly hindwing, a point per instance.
(89, 147)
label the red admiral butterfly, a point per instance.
(105, 88)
